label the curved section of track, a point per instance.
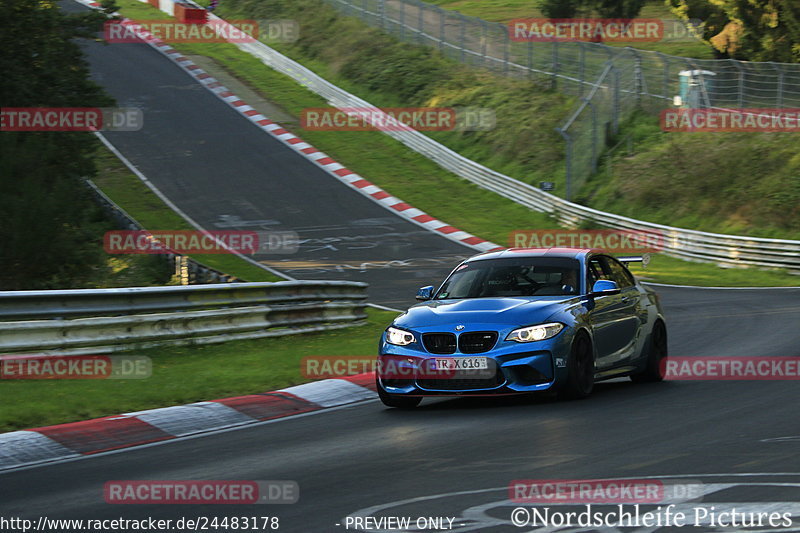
(450, 457)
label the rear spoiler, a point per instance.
(644, 259)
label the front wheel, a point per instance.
(396, 400)
(580, 370)
(657, 352)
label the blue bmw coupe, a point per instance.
(523, 321)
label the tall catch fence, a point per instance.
(610, 81)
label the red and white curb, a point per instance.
(67, 441)
(321, 159)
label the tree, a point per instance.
(754, 30)
(620, 9)
(45, 209)
(765, 30)
(560, 9)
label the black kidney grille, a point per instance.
(477, 342)
(439, 343)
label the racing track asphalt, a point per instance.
(364, 455)
(225, 173)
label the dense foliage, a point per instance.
(603, 8)
(755, 30)
(48, 217)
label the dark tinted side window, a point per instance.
(597, 270)
(619, 273)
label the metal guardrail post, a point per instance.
(616, 105)
(638, 79)
(442, 34)
(402, 21)
(421, 22)
(779, 88)
(740, 99)
(665, 60)
(506, 47)
(183, 266)
(530, 59)
(555, 67)
(595, 155)
(484, 40)
(568, 152)
(463, 36)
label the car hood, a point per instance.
(509, 311)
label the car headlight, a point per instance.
(399, 337)
(539, 332)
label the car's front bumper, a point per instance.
(515, 368)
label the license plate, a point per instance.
(462, 363)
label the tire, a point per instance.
(657, 351)
(580, 368)
(396, 400)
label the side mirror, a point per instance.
(604, 287)
(425, 293)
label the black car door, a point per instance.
(614, 319)
(628, 311)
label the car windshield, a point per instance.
(497, 278)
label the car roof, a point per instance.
(508, 253)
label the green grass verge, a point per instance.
(419, 181)
(665, 269)
(184, 374)
(734, 183)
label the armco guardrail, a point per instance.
(107, 320)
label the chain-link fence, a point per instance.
(610, 81)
